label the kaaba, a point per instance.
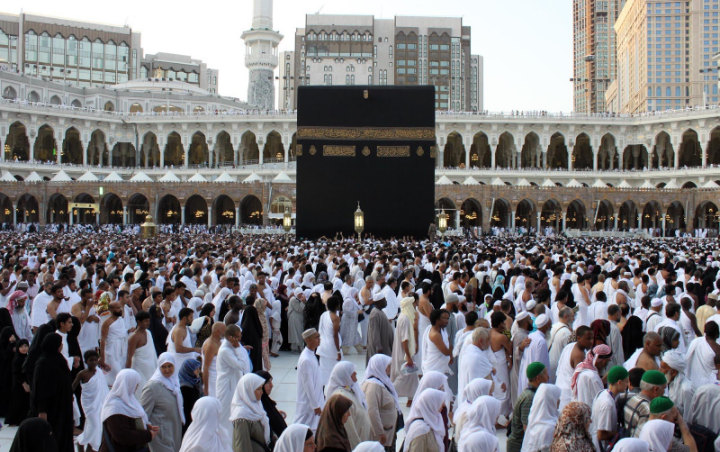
(372, 145)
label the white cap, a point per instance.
(522, 316)
(134, 286)
(656, 302)
(531, 305)
(541, 321)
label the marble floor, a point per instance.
(284, 393)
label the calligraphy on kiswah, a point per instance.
(393, 151)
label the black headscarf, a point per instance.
(157, 329)
(252, 334)
(632, 335)
(35, 348)
(277, 423)
(34, 435)
(6, 319)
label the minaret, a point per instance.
(261, 56)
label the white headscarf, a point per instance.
(292, 438)
(542, 419)
(476, 388)
(369, 446)
(631, 445)
(205, 433)
(246, 406)
(172, 383)
(341, 377)
(482, 415)
(407, 307)
(658, 434)
(375, 372)
(675, 360)
(435, 380)
(426, 409)
(481, 441)
(121, 398)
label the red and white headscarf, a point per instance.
(599, 351)
(14, 298)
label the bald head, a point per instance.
(218, 330)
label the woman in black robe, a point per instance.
(157, 329)
(314, 308)
(275, 417)
(8, 341)
(51, 396)
(252, 333)
(19, 396)
(34, 435)
(36, 349)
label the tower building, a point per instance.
(261, 55)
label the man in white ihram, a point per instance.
(310, 397)
(537, 351)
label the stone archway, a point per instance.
(72, 150)
(675, 218)
(582, 155)
(500, 217)
(525, 214)
(628, 216)
(273, 151)
(224, 210)
(138, 208)
(607, 154)
(17, 145)
(57, 209)
(557, 154)
(224, 153)
(664, 151)
(471, 213)
(111, 209)
(251, 210)
(706, 217)
(454, 152)
(45, 149)
(249, 151)
(576, 215)
(505, 151)
(84, 216)
(196, 210)
(97, 150)
(604, 217)
(652, 215)
(480, 152)
(174, 152)
(198, 154)
(6, 209)
(169, 210)
(713, 147)
(690, 150)
(531, 155)
(635, 157)
(551, 215)
(28, 210)
(150, 151)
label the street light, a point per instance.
(442, 221)
(287, 220)
(359, 221)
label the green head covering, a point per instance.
(654, 377)
(616, 374)
(534, 369)
(660, 405)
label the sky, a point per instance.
(526, 44)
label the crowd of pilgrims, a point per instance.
(119, 344)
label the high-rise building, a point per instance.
(665, 55)
(88, 54)
(183, 68)
(261, 55)
(593, 52)
(362, 50)
(79, 53)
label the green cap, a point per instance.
(660, 405)
(534, 369)
(616, 374)
(654, 377)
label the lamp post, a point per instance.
(287, 221)
(442, 222)
(359, 222)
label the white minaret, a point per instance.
(261, 56)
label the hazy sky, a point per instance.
(527, 44)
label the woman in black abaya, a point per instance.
(252, 333)
(34, 435)
(51, 396)
(20, 390)
(8, 342)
